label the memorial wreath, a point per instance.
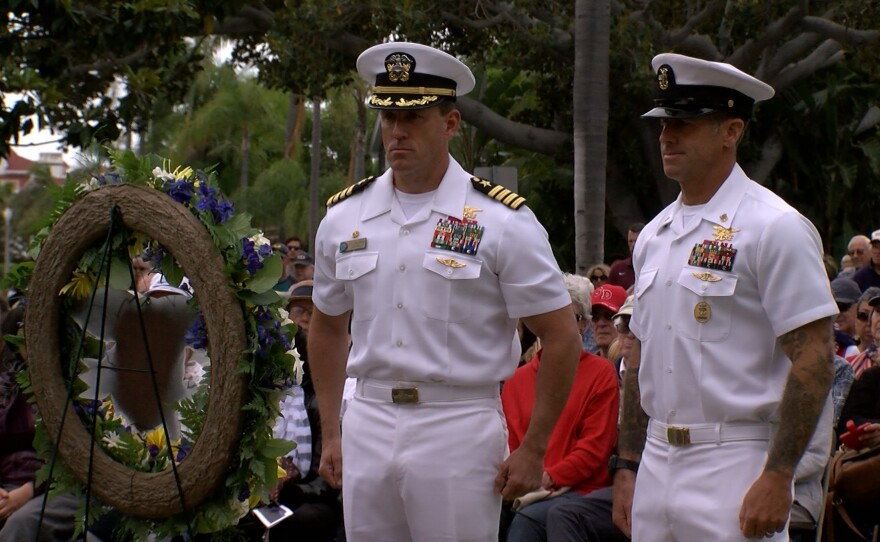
(267, 365)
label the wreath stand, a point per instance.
(99, 214)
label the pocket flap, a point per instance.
(353, 266)
(706, 283)
(644, 281)
(452, 265)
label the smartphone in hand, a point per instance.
(272, 514)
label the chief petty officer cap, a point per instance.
(412, 76)
(690, 87)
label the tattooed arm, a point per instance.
(766, 505)
(630, 441)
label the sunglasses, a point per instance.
(843, 307)
(294, 247)
(599, 277)
(863, 316)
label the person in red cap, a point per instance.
(606, 300)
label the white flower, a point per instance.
(160, 173)
(297, 365)
(284, 316)
(112, 440)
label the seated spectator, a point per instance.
(847, 269)
(862, 406)
(317, 510)
(577, 454)
(859, 251)
(869, 355)
(862, 334)
(598, 274)
(869, 274)
(285, 281)
(621, 272)
(303, 267)
(846, 293)
(606, 300)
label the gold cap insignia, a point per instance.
(663, 77)
(451, 262)
(398, 66)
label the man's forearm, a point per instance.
(328, 352)
(812, 369)
(634, 422)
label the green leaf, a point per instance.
(267, 276)
(266, 298)
(276, 447)
(172, 271)
(120, 276)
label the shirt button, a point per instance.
(399, 343)
(351, 272)
(668, 283)
(449, 272)
(402, 268)
(400, 305)
(668, 326)
(671, 413)
(669, 370)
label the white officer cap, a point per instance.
(412, 76)
(691, 87)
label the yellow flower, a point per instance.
(156, 438)
(80, 286)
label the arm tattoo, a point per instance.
(810, 350)
(634, 424)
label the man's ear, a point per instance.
(733, 130)
(453, 119)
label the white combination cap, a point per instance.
(412, 76)
(692, 87)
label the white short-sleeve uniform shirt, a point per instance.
(434, 297)
(715, 289)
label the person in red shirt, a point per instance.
(576, 461)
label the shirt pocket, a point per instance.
(706, 305)
(449, 284)
(644, 283)
(358, 272)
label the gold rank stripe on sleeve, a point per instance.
(346, 192)
(498, 193)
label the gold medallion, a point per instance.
(355, 234)
(723, 217)
(702, 312)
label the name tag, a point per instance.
(353, 244)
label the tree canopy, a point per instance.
(816, 143)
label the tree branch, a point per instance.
(838, 32)
(700, 46)
(250, 20)
(827, 54)
(111, 62)
(673, 38)
(789, 51)
(870, 119)
(748, 53)
(542, 140)
(771, 154)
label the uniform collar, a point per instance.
(722, 207)
(449, 199)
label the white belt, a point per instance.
(705, 433)
(422, 392)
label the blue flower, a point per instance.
(182, 451)
(110, 178)
(251, 256)
(211, 200)
(154, 450)
(197, 336)
(244, 494)
(180, 190)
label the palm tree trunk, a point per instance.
(591, 71)
(315, 169)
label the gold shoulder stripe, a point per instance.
(346, 192)
(498, 193)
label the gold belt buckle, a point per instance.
(404, 396)
(678, 436)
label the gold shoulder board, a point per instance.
(346, 192)
(498, 193)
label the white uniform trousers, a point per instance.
(422, 472)
(695, 492)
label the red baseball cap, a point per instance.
(610, 296)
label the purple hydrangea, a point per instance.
(197, 335)
(183, 450)
(211, 200)
(252, 257)
(180, 190)
(109, 178)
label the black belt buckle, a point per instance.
(678, 436)
(404, 396)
